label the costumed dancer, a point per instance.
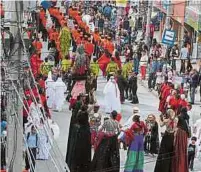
(107, 153)
(60, 89)
(49, 85)
(112, 96)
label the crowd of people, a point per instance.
(85, 39)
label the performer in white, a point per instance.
(59, 88)
(43, 142)
(35, 112)
(50, 93)
(129, 122)
(112, 96)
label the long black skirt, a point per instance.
(78, 155)
(107, 156)
(166, 154)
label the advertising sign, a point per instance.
(169, 37)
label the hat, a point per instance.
(136, 110)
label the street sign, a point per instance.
(169, 37)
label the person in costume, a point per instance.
(107, 153)
(94, 68)
(135, 155)
(45, 67)
(166, 151)
(112, 96)
(49, 88)
(112, 67)
(66, 64)
(78, 156)
(60, 89)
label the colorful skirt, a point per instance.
(135, 156)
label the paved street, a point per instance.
(148, 104)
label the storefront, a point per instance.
(177, 11)
(193, 26)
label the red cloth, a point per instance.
(143, 72)
(35, 92)
(119, 117)
(164, 94)
(183, 103)
(118, 61)
(41, 82)
(35, 62)
(89, 48)
(103, 62)
(180, 160)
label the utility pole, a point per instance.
(14, 115)
(147, 36)
(167, 22)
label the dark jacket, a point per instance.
(194, 80)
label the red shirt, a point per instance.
(41, 82)
(183, 103)
(89, 48)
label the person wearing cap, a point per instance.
(112, 96)
(107, 146)
(135, 155)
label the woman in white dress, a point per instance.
(112, 96)
(35, 112)
(43, 142)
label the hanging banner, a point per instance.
(121, 3)
(169, 37)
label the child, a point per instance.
(192, 152)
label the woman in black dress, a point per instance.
(107, 153)
(166, 151)
(78, 155)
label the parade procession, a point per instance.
(100, 86)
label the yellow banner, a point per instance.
(121, 3)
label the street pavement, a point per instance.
(148, 103)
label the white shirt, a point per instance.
(143, 60)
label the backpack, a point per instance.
(28, 134)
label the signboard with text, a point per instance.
(169, 37)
